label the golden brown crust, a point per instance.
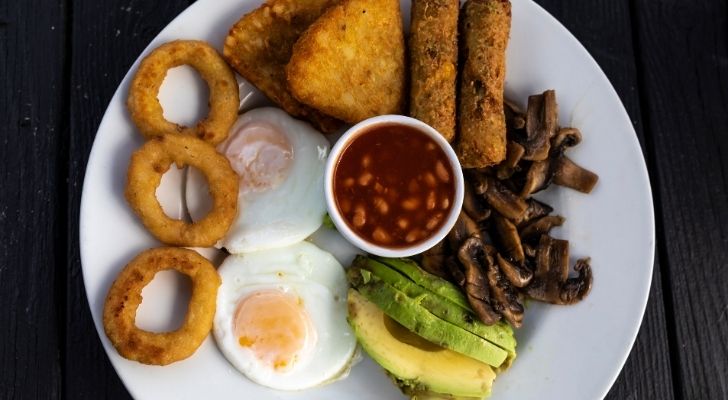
(433, 46)
(259, 46)
(125, 295)
(482, 125)
(146, 168)
(350, 62)
(144, 107)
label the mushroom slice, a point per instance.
(514, 153)
(569, 174)
(565, 138)
(538, 177)
(552, 268)
(433, 260)
(508, 237)
(575, 289)
(504, 201)
(541, 121)
(535, 210)
(551, 283)
(529, 250)
(455, 270)
(515, 120)
(517, 275)
(507, 299)
(464, 228)
(471, 256)
(542, 226)
(552, 259)
(473, 205)
(478, 180)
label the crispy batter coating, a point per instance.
(350, 62)
(259, 46)
(144, 107)
(433, 47)
(482, 124)
(125, 295)
(146, 168)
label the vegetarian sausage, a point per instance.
(486, 26)
(433, 47)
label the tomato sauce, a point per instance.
(394, 185)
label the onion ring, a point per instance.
(125, 295)
(144, 106)
(146, 168)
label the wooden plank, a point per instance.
(31, 210)
(683, 58)
(605, 30)
(107, 37)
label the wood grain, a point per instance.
(684, 62)
(31, 208)
(604, 28)
(107, 36)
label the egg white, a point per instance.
(314, 276)
(285, 214)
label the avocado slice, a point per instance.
(431, 282)
(415, 365)
(413, 316)
(424, 395)
(499, 334)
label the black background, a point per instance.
(61, 61)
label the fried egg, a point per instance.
(281, 317)
(280, 161)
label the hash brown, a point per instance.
(350, 62)
(259, 46)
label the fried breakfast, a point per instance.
(394, 185)
(125, 296)
(144, 107)
(146, 168)
(286, 314)
(280, 164)
(433, 60)
(259, 46)
(350, 62)
(281, 317)
(482, 126)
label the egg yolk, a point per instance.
(260, 153)
(275, 326)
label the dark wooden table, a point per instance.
(61, 61)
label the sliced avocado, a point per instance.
(425, 395)
(413, 316)
(499, 334)
(427, 280)
(415, 365)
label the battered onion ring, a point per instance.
(125, 295)
(224, 95)
(146, 168)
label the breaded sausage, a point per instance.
(482, 125)
(433, 47)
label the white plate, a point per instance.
(564, 353)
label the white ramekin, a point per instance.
(338, 219)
